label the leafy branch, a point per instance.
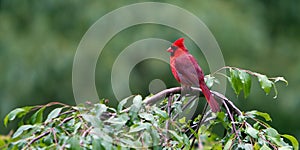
(240, 79)
(159, 121)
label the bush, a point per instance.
(157, 122)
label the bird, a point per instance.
(188, 73)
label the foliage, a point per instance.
(141, 126)
(240, 79)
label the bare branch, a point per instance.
(36, 138)
(161, 95)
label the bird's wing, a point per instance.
(187, 70)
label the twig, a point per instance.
(168, 121)
(232, 107)
(162, 95)
(37, 138)
(199, 124)
(54, 135)
(169, 105)
(236, 68)
(231, 117)
(85, 134)
(66, 120)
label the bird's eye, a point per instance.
(174, 47)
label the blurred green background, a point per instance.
(39, 40)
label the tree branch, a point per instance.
(161, 95)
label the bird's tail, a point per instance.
(209, 98)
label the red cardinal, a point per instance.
(187, 71)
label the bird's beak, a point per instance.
(170, 50)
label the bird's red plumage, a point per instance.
(187, 71)
(179, 43)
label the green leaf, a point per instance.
(74, 143)
(248, 146)
(137, 103)
(272, 132)
(217, 146)
(256, 146)
(99, 133)
(99, 109)
(111, 109)
(147, 116)
(2, 141)
(228, 144)
(53, 114)
(177, 105)
(90, 118)
(18, 112)
(266, 116)
(120, 120)
(251, 131)
(285, 148)
(281, 79)
(140, 127)
(274, 136)
(244, 146)
(277, 140)
(97, 144)
(155, 136)
(137, 99)
(186, 140)
(77, 126)
(160, 112)
(292, 139)
(246, 81)
(21, 129)
(235, 81)
(265, 147)
(107, 144)
(37, 117)
(48, 139)
(174, 134)
(147, 139)
(127, 142)
(182, 120)
(209, 80)
(221, 116)
(122, 103)
(265, 83)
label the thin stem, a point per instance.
(169, 114)
(231, 118)
(37, 138)
(54, 135)
(222, 74)
(261, 123)
(199, 124)
(236, 68)
(225, 67)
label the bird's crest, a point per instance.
(179, 43)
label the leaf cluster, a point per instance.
(241, 80)
(163, 125)
(101, 127)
